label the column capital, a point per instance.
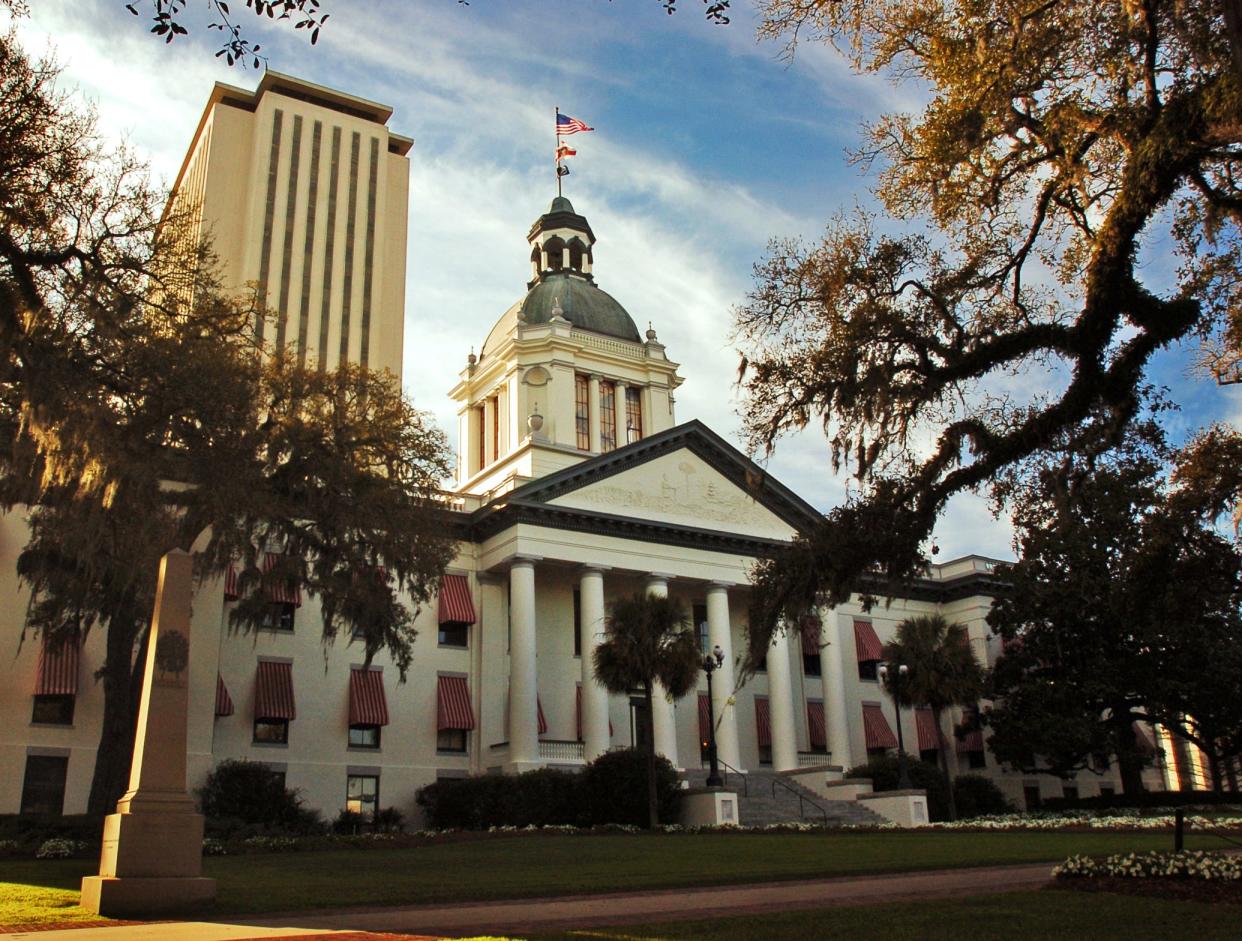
(718, 585)
(659, 576)
(523, 561)
(590, 568)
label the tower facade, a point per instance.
(563, 375)
(302, 191)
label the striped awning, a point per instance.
(925, 725)
(542, 722)
(367, 703)
(816, 727)
(763, 724)
(232, 591)
(224, 702)
(58, 666)
(972, 738)
(280, 590)
(456, 605)
(453, 709)
(705, 718)
(810, 636)
(273, 691)
(876, 730)
(867, 643)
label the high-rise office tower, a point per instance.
(303, 191)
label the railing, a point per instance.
(725, 777)
(629, 350)
(556, 750)
(814, 759)
(802, 801)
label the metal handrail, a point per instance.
(801, 800)
(728, 767)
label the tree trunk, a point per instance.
(121, 676)
(1129, 762)
(943, 748)
(1217, 771)
(653, 803)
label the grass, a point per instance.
(40, 905)
(524, 866)
(1014, 916)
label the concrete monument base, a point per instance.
(114, 897)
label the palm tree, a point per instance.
(943, 673)
(648, 641)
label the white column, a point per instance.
(720, 635)
(781, 706)
(593, 411)
(595, 735)
(832, 672)
(618, 401)
(662, 716)
(523, 681)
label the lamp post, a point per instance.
(903, 774)
(711, 662)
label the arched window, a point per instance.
(577, 250)
(555, 247)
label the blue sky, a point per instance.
(707, 144)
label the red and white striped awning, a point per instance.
(763, 724)
(58, 666)
(705, 718)
(816, 727)
(273, 691)
(280, 590)
(867, 643)
(224, 702)
(876, 730)
(541, 720)
(811, 627)
(367, 703)
(232, 591)
(456, 605)
(925, 725)
(972, 740)
(453, 709)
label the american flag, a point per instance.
(567, 125)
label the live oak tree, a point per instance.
(136, 414)
(1004, 308)
(649, 642)
(1124, 606)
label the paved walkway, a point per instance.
(518, 917)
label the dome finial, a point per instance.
(651, 334)
(471, 359)
(557, 313)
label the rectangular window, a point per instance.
(1106, 790)
(454, 634)
(1069, 792)
(362, 794)
(867, 669)
(279, 616)
(582, 411)
(633, 414)
(452, 740)
(811, 665)
(364, 736)
(1030, 794)
(43, 790)
(53, 710)
(495, 427)
(482, 436)
(607, 415)
(700, 628)
(271, 731)
(577, 623)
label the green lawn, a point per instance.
(560, 864)
(1016, 916)
(39, 905)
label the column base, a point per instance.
(519, 767)
(139, 896)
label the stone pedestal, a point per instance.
(709, 806)
(153, 845)
(904, 808)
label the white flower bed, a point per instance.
(59, 849)
(1162, 819)
(1194, 864)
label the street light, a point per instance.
(711, 662)
(903, 774)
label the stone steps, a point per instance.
(759, 804)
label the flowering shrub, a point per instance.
(1192, 864)
(272, 844)
(1116, 820)
(214, 847)
(60, 849)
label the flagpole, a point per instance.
(557, 125)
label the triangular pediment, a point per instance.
(687, 476)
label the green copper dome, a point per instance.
(582, 304)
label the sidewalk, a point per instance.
(523, 916)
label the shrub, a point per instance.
(977, 796)
(614, 789)
(1146, 800)
(388, 820)
(61, 849)
(31, 830)
(348, 822)
(245, 795)
(1194, 864)
(927, 777)
(544, 797)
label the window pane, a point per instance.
(362, 793)
(271, 731)
(364, 736)
(53, 710)
(607, 415)
(43, 791)
(582, 411)
(453, 740)
(454, 634)
(633, 414)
